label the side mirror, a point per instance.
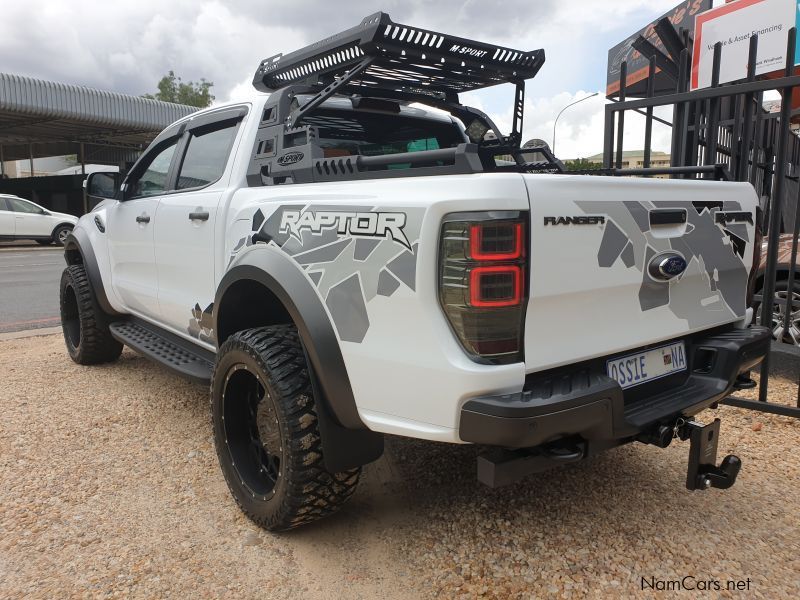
(102, 185)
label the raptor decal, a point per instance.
(352, 254)
(359, 224)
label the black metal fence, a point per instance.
(724, 131)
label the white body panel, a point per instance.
(409, 374)
(7, 223)
(184, 253)
(580, 310)
(132, 255)
(32, 225)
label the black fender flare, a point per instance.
(79, 240)
(346, 440)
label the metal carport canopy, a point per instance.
(43, 118)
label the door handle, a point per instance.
(667, 216)
(198, 216)
(143, 219)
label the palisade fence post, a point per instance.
(694, 148)
(648, 123)
(623, 80)
(712, 118)
(758, 144)
(679, 113)
(776, 202)
(790, 301)
(608, 138)
(743, 163)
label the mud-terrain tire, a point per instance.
(266, 432)
(85, 325)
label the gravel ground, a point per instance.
(110, 487)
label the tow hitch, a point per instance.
(703, 472)
(501, 467)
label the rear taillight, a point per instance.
(483, 282)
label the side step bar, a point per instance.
(165, 348)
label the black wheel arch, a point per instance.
(274, 283)
(78, 250)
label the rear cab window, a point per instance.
(206, 156)
(357, 133)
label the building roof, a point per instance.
(630, 154)
(57, 117)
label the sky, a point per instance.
(128, 46)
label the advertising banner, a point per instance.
(733, 25)
(682, 18)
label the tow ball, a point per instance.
(703, 472)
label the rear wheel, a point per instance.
(85, 325)
(266, 433)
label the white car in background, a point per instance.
(22, 219)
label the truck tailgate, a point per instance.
(594, 243)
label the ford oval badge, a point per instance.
(667, 266)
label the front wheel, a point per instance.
(61, 233)
(85, 325)
(266, 434)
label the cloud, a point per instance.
(129, 46)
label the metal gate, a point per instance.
(724, 132)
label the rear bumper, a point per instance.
(584, 401)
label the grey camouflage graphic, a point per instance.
(716, 274)
(202, 323)
(348, 270)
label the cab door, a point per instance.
(31, 221)
(130, 225)
(186, 225)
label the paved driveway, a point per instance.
(29, 277)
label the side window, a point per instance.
(154, 179)
(206, 156)
(21, 206)
(3, 205)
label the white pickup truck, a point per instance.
(354, 254)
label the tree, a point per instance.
(172, 89)
(581, 164)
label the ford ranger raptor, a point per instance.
(355, 253)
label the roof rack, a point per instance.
(401, 59)
(382, 59)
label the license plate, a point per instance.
(639, 368)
